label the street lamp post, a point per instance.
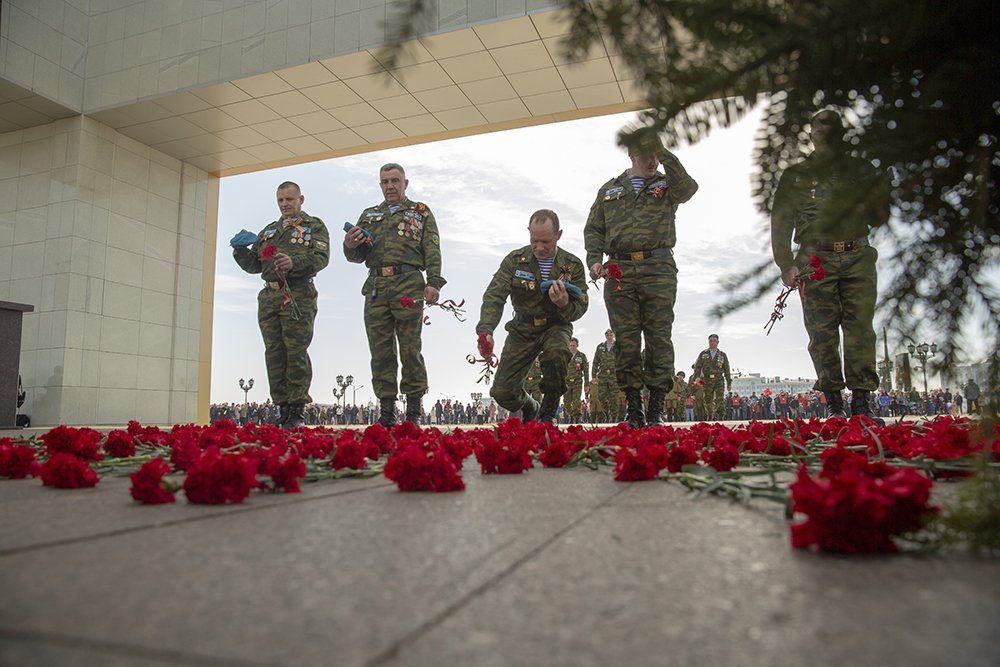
(246, 387)
(923, 352)
(885, 366)
(343, 383)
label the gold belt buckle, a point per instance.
(839, 246)
(539, 321)
(637, 256)
(272, 285)
(388, 271)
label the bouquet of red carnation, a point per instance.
(267, 254)
(614, 272)
(487, 358)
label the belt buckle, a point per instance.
(637, 256)
(388, 271)
(840, 246)
(539, 321)
(272, 285)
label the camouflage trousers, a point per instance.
(286, 342)
(714, 400)
(642, 307)
(608, 398)
(700, 413)
(387, 324)
(523, 344)
(571, 399)
(843, 301)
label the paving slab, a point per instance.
(551, 567)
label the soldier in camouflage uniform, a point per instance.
(632, 221)
(302, 246)
(401, 242)
(712, 367)
(533, 381)
(607, 382)
(676, 397)
(577, 377)
(826, 204)
(542, 322)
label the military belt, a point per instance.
(388, 271)
(535, 321)
(841, 246)
(291, 283)
(639, 255)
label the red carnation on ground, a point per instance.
(268, 251)
(284, 472)
(509, 457)
(352, 452)
(856, 513)
(66, 471)
(81, 442)
(378, 435)
(423, 467)
(217, 478)
(407, 302)
(120, 444)
(17, 461)
(722, 457)
(640, 463)
(457, 445)
(148, 485)
(558, 453)
(680, 456)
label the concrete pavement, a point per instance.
(552, 567)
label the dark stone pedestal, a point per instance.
(10, 358)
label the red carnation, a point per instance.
(120, 444)
(81, 442)
(423, 467)
(680, 456)
(613, 271)
(815, 261)
(639, 464)
(485, 345)
(378, 435)
(818, 274)
(148, 486)
(722, 457)
(856, 513)
(286, 472)
(217, 478)
(66, 471)
(17, 461)
(407, 302)
(353, 452)
(267, 252)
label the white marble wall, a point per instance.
(95, 54)
(106, 238)
(43, 47)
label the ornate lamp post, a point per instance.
(246, 390)
(885, 366)
(246, 387)
(923, 352)
(343, 383)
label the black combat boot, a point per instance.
(387, 412)
(547, 411)
(413, 409)
(634, 414)
(835, 404)
(529, 411)
(296, 417)
(860, 405)
(657, 402)
(282, 415)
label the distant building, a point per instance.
(754, 383)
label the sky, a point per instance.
(482, 190)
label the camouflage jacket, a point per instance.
(705, 367)
(604, 361)
(815, 203)
(307, 243)
(520, 278)
(408, 236)
(578, 368)
(622, 221)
